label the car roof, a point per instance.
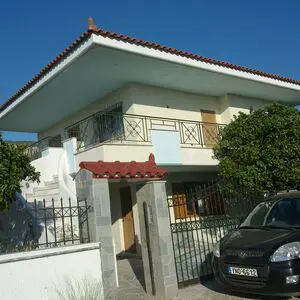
(283, 195)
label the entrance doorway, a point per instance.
(127, 219)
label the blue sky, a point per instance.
(258, 34)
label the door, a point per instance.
(127, 218)
(209, 128)
(184, 206)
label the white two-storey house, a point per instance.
(111, 97)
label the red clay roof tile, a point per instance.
(128, 170)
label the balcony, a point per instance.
(106, 128)
(40, 148)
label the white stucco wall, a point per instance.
(160, 102)
(49, 167)
(165, 103)
(113, 152)
(116, 217)
(225, 112)
(54, 168)
(197, 157)
(49, 164)
(40, 274)
(233, 104)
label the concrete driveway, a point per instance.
(132, 285)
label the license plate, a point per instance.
(242, 271)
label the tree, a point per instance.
(14, 167)
(261, 150)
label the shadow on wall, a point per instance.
(19, 228)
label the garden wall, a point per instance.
(52, 273)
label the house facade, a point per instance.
(109, 97)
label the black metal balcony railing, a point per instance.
(34, 151)
(127, 128)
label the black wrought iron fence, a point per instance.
(117, 127)
(200, 216)
(43, 224)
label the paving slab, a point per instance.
(132, 286)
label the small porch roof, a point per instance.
(124, 170)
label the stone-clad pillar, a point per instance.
(156, 240)
(96, 191)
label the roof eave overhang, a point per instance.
(190, 62)
(60, 67)
(95, 39)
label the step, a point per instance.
(42, 197)
(40, 194)
(55, 180)
(45, 190)
(50, 184)
(47, 198)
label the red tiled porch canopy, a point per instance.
(124, 170)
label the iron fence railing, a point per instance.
(200, 215)
(34, 151)
(44, 224)
(104, 127)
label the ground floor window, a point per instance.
(197, 199)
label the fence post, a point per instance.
(156, 240)
(96, 191)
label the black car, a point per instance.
(262, 256)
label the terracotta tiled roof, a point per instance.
(121, 37)
(117, 169)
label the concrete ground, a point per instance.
(132, 285)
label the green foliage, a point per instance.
(261, 150)
(14, 167)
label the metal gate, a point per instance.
(83, 219)
(199, 216)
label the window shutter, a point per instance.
(209, 128)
